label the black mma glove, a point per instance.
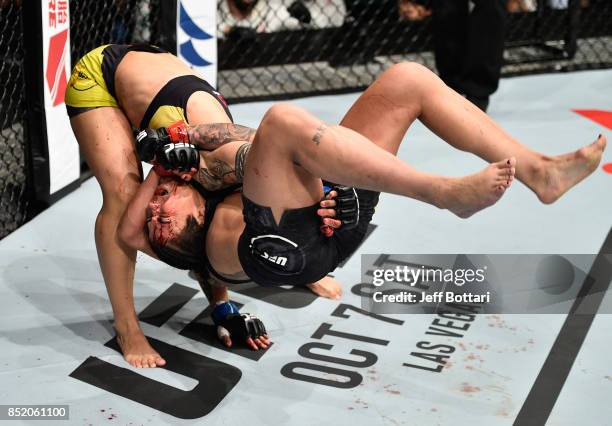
(169, 148)
(180, 157)
(347, 204)
(232, 323)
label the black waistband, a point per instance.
(220, 277)
(114, 53)
(177, 92)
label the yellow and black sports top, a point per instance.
(92, 85)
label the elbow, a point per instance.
(128, 235)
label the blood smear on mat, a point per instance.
(607, 168)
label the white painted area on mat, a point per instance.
(585, 398)
(55, 311)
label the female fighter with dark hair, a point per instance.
(113, 89)
(269, 236)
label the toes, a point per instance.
(159, 361)
(151, 361)
(131, 360)
(509, 163)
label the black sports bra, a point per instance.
(213, 199)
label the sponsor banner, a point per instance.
(64, 162)
(196, 36)
(478, 283)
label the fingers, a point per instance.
(331, 194)
(227, 341)
(250, 343)
(328, 203)
(186, 176)
(262, 343)
(326, 212)
(326, 231)
(266, 339)
(332, 223)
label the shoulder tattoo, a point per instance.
(241, 157)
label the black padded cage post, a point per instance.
(36, 130)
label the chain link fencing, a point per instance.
(279, 49)
(285, 48)
(94, 23)
(13, 152)
(97, 22)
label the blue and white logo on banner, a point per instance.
(196, 36)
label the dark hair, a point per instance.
(186, 250)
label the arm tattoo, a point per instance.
(241, 156)
(211, 136)
(319, 134)
(217, 175)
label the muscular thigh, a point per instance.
(105, 137)
(383, 113)
(272, 177)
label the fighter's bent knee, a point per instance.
(280, 115)
(280, 121)
(409, 69)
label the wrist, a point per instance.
(178, 132)
(222, 310)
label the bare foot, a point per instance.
(560, 173)
(327, 287)
(470, 194)
(137, 351)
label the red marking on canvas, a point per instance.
(597, 115)
(56, 67)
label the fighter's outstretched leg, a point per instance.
(409, 91)
(293, 148)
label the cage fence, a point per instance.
(13, 156)
(286, 48)
(97, 22)
(280, 49)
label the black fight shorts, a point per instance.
(294, 252)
